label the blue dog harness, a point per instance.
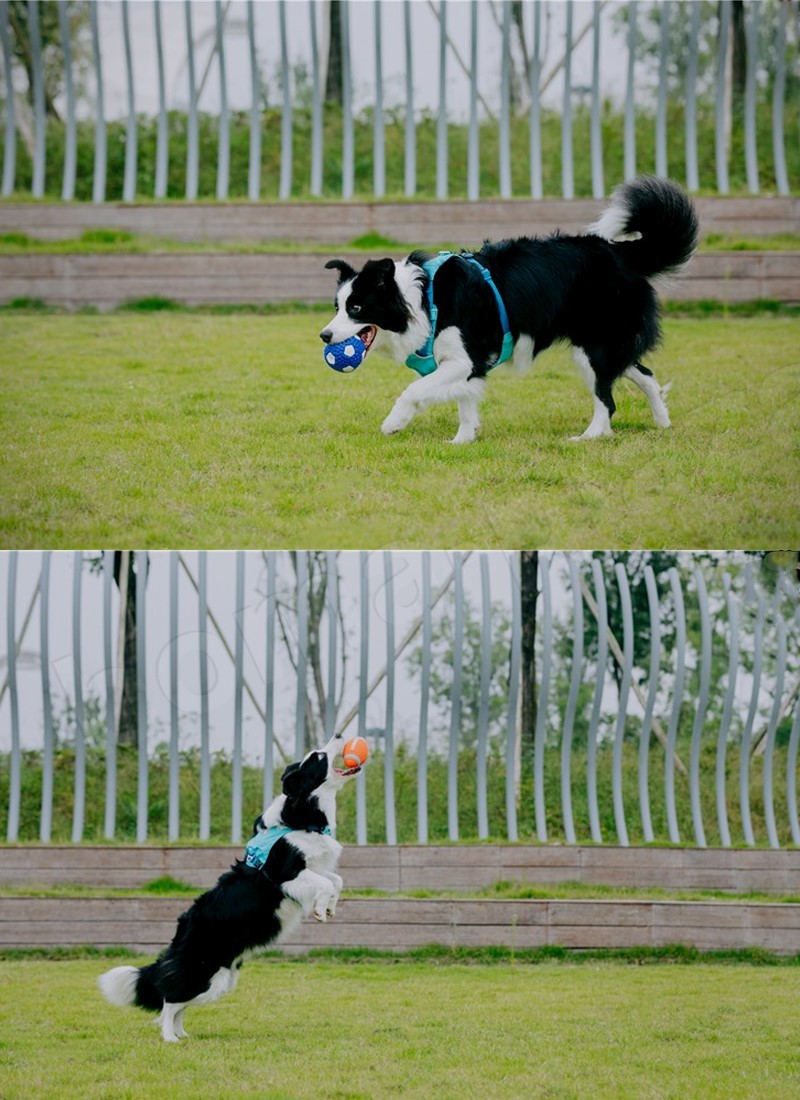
(422, 360)
(259, 847)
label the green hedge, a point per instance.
(405, 797)
(613, 154)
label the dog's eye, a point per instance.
(355, 309)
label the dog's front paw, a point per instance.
(397, 419)
(592, 433)
(465, 435)
(321, 915)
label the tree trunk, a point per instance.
(739, 58)
(128, 725)
(517, 93)
(316, 583)
(333, 82)
(18, 20)
(529, 592)
(318, 572)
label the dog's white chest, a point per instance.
(322, 852)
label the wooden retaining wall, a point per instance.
(397, 924)
(423, 223)
(147, 923)
(106, 281)
(217, 278)
(415, 867)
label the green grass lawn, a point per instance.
(164, 430)
(327, 1029)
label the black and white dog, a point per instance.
(249, 908)
(593, 291)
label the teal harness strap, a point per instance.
(507, 346)
(422, 360)
(259, 846)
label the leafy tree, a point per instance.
(774, 563)
(766, 577)
(52, 47)
(649, 39)
(94, 723)
(635, 563)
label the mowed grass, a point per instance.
(372, 1029)
(164, 430)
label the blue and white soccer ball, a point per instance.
(348, 355)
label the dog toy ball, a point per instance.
(355, 752)
(348, 355)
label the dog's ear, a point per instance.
(299, 780)
(343, 267)
(382, 271)
(290, 778)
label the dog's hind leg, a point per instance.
(655, 394)
(223, 981)
(171, 1028)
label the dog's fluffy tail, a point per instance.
(654, 224)
(129, 985)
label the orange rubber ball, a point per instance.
(355, 752)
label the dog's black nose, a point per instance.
(325, 336)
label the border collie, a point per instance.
(250, 907)
(593, 291)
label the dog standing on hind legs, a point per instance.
(454, 317)
(289, 871)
